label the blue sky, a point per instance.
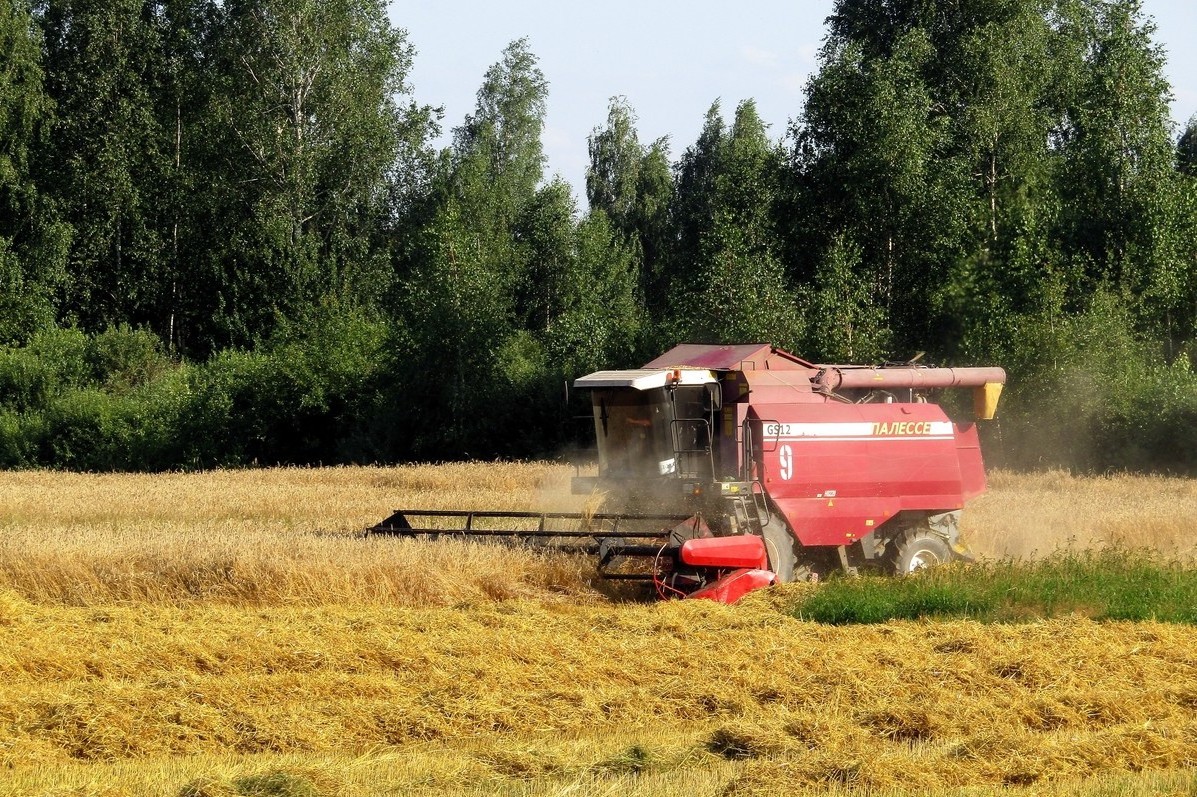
(670, 58)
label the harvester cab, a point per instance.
(653, 429)
(728, 468)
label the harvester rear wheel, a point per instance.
(917, 549)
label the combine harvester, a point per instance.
(730, 468)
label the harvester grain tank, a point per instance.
(731, 467)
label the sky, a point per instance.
(670, 58)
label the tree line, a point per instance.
(227, 235)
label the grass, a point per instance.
(1108, 584)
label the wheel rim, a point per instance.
(922, 558)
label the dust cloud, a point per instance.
(1024, 515)
(1031, 515)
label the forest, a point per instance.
(228, 237)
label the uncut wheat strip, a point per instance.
(311, 572)
(1021, 513)
(271, 570)
(343, 497)
(263, 537)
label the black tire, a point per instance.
(917, 549)
(779, 543)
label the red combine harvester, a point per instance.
(729, 468)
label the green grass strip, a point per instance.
(1104, 585)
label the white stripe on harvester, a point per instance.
(859, 430)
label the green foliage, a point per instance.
(225, 237)
(1152, 423)
(616, 158)
(56, 361)
(997, 184)
(727, 282)
(104, 156)
(487, 278)
(1104, 585)
(32, 241)
(22, 103)
(545, 231)
(975, 156)
(601, 316)
(92, 430)
(848, 325)
(212, 167)
(1119, 210)
(123, 359)
(297, 399)
(305, 127)
(1090, 394)
(631, 185)
(53, 362)
(114, 401)
(874, 151)
(16, 443)
(1186, 149)
(502, 136)
(105, 402)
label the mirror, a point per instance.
(712, 397)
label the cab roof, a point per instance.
(645, 378)
(735, 357)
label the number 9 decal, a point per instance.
(785, 458)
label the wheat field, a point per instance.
(1030, 514)
(269, 537)
(293, 536)
(232, 633)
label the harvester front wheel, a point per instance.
(779, 543)
(918, 549)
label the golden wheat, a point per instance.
(281, 536)
(916, 705)
(170, 634)
(1029, 514)
(645, 764)
(292, 536)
